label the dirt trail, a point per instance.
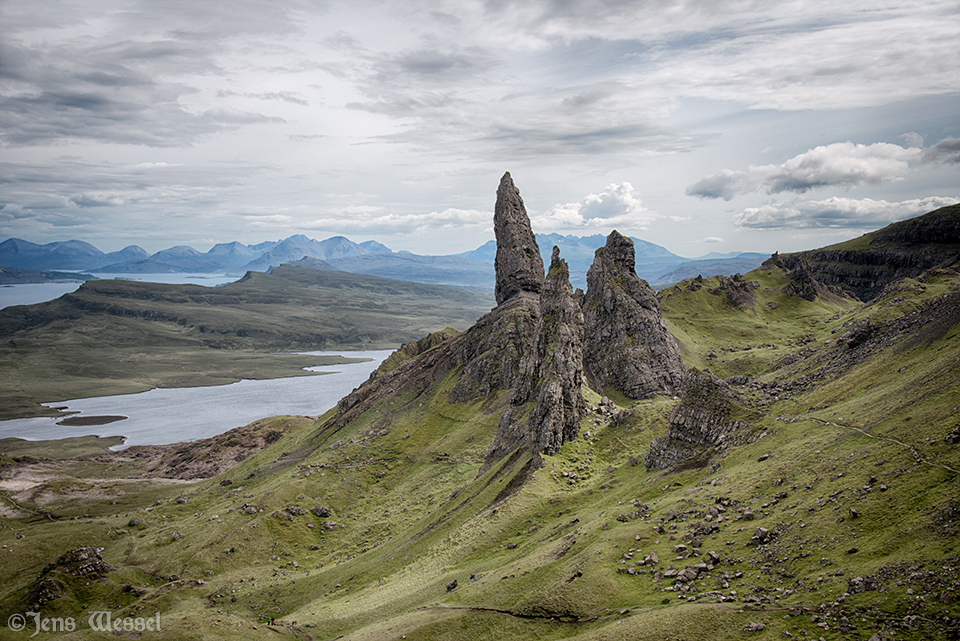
(916, 454)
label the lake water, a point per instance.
(163, 416)
(32, 293)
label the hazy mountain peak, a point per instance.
(374, 247)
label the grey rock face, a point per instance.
(518, 265)
(803, 282)
(559, 348)
(627, 345)
(547, 404)
(711, 417)
(492, 350)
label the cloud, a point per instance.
(292, 97)
(844, 213)
(614, 206)
(812, 55)
(945, 151)
(363, 218)
(130, 79)
(725, 184)
(843, 164)
(74, 194)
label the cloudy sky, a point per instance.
(700, 125)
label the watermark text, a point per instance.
(101, 621)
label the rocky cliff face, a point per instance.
(547, 402)
(710, 417)
(518, 265)
(627, 346)
(901, 250)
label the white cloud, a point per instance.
(842, 164)
(615, 206)
(913, 139)
(360, 218)
(945, 151)
(843, 213)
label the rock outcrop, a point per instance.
(627, 344)
(540, 343)
(547, 403)
(739, 292)
(710, 417)
(518, 265)
(803, 282)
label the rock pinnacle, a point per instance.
(519, 267)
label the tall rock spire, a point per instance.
(518, 265)
(559, 348)
(628, 346)
(547, 403)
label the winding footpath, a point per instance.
(788, 418)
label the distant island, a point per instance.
(14, 276)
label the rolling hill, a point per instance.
(114, 336)
(799, 482)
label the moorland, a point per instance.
(794, 475)
(118, 336)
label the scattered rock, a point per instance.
(761, 536)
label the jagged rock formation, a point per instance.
(518, 264)
(803, 282)
(628, 346)
(711, 416)
(547, 403)
(539, 343)
(738, 291)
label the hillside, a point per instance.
(865, 265)
(793, 476)
(113, 336)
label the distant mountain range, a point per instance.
(474, 268)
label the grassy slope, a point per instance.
(412, 515)
(113, 337)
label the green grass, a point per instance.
(413, 513)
